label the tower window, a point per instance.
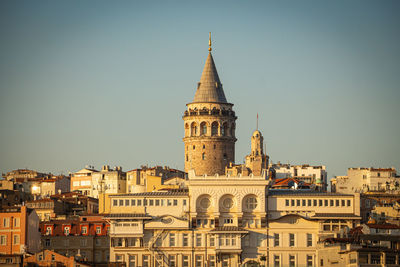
(225, 156)
(215, 146)
(187, 157)
(204, 146)
(214, 128)
(203, 128)
(194, 147)
(203, 156)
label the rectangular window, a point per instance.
(309, 240)
(332, 203)
(133, 202)
(185, 261)
(157, 202)
(309, 202)
(127, 202)
(83, 242)
(139, 202)
(298, 202)
(84, 230)
(16, 222)
(212, 241)
(348, 203)
(66, 230)
(303, 202)
(287, 202)
(162, 202)
(276, 240)
(337, 203)
(98, 230)
(199, 261)
(172, 260)
(172, 240)
(115, 202)
(211, 261)
(277, 261)
(3, 240)
(309, 261)
(146, 260)
(121, 202)
(47, 243)
(320, 202)
(151, 202)
(185, 240)
(16, 240)
(144, 202)
(291, 240)
(292, 261)
(132, 260)
(6, 222)
(315, 202)
(169, 202)
(343, 202)
(292, 202)
(326, 203)
(184, 202)
(198, 240)
(175, 202)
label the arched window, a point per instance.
(203, 156)
(224, 129)
(203, 128)
(233, 130)
(193, 129)
(214, 128)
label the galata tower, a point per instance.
(209, 123)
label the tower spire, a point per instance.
(209, 43)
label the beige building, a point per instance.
(366, 179)
(81, 181)
(108, 181)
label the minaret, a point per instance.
(209, 125)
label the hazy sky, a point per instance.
(92, 82)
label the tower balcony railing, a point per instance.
(210, 113)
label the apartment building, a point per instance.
(108, 181)
(19, 231)
(366, 179)
(81, 181)
(313, 175)
(85, 238)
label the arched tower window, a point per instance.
(214, 128)
(203, 128)
(193, 129)
(224, 129)
(233, 130)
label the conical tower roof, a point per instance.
(210, 87)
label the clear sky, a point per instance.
(106, 82)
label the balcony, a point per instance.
(126, 229)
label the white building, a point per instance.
(316, 175)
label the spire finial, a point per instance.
(257, 121)
(209, 43)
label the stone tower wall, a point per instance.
(208, 149)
